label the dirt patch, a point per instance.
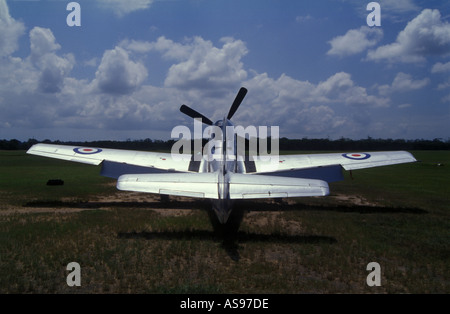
(166, 206)
(37, 210)
(153, 202)
(273, 219)
(353, 200)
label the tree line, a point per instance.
(342, 144)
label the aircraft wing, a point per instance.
(115, 161)
(319, 165)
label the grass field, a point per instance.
(397, 216)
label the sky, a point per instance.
(315, 69)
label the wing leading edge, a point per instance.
(116, 160)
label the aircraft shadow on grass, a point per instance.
(230, 236)
(239, 205)
(229, 241)
(227, 234)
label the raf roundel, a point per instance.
(86, 150)
(356, 156)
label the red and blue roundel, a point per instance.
(86, 150)
(356, 156)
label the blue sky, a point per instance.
(313, 68)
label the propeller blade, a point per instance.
(194, 114)
(237, 101)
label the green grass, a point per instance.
(310, 245)
(23, 178)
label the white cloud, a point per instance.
(398, 7)
(341, 88)
(136, 45)
(303, 108)
(91, 62)
(444, 85)
(446, 99)
(10, 31)
(424, 36)
(53, 71)
(199, 63)
(121, 8)
(441, 67)
(169, 49)
(288, 103)
(402, 83)
(117, 74)
(42, 41)
(53, 68)
(202, 65)
(303, 18)
(355, 41)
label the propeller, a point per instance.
(194, 114)
(236, 103)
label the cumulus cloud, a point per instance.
(425, 35)
(304, 108)
(203, 65)
(288, 103)
(355, 41)
(402, 83)
(53, 68)
(10, 31)
(117, 74)
(199, 64)
(169, 49)
(42, 41)
(42, 71)
(341, 88)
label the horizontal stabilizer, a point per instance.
(243, 186)
(206, 185)
(201, 185)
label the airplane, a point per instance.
(220, 176)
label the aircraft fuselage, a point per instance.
(223, 160)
